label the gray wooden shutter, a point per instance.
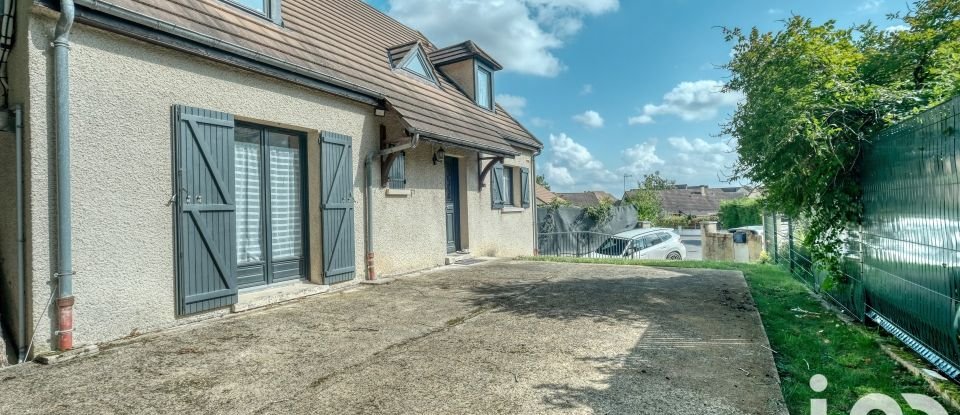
(496, 186)
(339, 257)
(205, 211)
(525, 187)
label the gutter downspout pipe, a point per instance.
(368, 221)
(61, 92)
(21, 241)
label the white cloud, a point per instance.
(512, 103)
(587, 89)
(590, 119)
(691, 101)
(869, 5)
(520, 34)
(699, 161)
(557, 175)
(774, 11)
(640, 119)
(640, 159)
(570, 166)
(896, 28)
(573, 167)
(540, 122)
(697, 145)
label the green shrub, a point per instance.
(740, 212)
(600, 213)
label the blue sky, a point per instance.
(618, 87)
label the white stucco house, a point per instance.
(190, 152)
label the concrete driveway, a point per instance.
(498, 337)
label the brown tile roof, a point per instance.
(543, 195)
(349, 41)
(588, 198)
(696, 200)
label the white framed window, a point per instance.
(484, 86)
(397, 175)
(508, 199)
(416, 64)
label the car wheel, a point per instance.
(674, 256)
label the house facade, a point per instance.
(218, 148)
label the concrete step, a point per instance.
(458, 256)
(275, 295)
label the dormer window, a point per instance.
(471, 70)
(484, 86)
(269, 9)
(415, 63)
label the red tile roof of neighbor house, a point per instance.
(349, 41)
(544, 195)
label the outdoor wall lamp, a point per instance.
(438, 156)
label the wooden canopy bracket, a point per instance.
(389, 153)
(487, 168)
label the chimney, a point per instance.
(703, 190)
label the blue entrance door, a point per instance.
(452, 168)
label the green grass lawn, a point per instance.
(806, 344)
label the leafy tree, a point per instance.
(646, 198)
(815, 94)
(542, 181)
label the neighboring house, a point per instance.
(588, 198)
(544, 196)
(222, 147)
(696, 200)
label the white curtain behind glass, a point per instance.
(248, 202)
(285, 203)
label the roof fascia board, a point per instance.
(519, 143)
(122, 21)
(442, 139)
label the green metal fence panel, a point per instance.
(911, 230)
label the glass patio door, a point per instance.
(270, 206)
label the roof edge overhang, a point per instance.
(517, 142)
(135, 25)
(447, 140)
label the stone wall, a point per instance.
(719, 246)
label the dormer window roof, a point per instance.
(412, 59)
(463, 51)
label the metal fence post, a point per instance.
(790, 242)
(776, 229)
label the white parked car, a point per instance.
(648, 243)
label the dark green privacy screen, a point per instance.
(901, 265)
(911, 232)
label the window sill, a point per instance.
(398, 192)
(512, 209)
